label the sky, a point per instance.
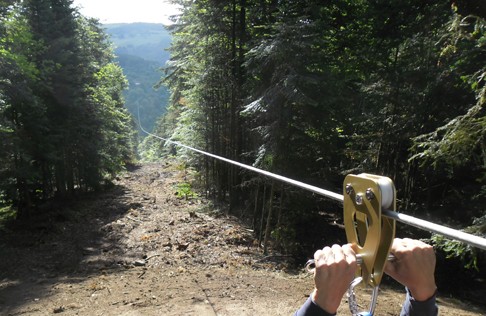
(127, 11)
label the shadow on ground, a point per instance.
(65, 244)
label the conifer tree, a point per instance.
(316, 90)
(62, 117)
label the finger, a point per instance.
(318, 255)
(413, 243)
(338, 253)
(399, 243)
(407, 242)
(321, 256)
(329, 256)
(327, 251)
(349, 254)
(422, 245)
(400, 247)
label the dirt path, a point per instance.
(139, 249)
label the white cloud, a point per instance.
(127, 11)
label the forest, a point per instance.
(315, 90)
(311, 90)
(63, 125)
(140, 50)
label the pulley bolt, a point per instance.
(369, 194)
(349, 188)
(359, 199)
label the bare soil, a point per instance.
(140, 249)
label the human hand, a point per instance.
(414, 267)
(335, 268)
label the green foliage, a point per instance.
(315, 90)
(141, 96)
(7, 213)
(457, 249)
(153, 149)
(141, 50)
(63, 126)
(456, 142)
(456, 150)
(150, 149)
(467, 254)
(184, 190)
(117, 137)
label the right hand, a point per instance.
(414, 267)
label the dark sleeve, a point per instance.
(311, 309)
(411, 307)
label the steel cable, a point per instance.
(472, 240)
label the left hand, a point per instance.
(335, 268)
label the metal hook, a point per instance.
(353, 304)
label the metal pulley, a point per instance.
(365, 197)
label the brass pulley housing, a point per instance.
(365, 196)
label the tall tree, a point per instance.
(61, 105)
(315, 90)
(455, 152)
(205, 74)
(22, 113)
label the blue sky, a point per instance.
(127, 11)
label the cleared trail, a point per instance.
(140, 249)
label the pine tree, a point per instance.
(62, 117)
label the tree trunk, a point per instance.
(263, 214)
(255, 209)
(269, 220)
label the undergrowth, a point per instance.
(7, 214)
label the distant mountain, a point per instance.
(141, 52)
(146, 40)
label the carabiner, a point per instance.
(353, 304)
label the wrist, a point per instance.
(423, 293)
(328, 303)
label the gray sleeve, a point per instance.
(411, 307)
(311, 309)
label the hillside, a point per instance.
(146, 40)
(141, 52)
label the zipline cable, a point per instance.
(472, 240)
(305, 186)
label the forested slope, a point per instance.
(145, 40)
(142, 76)
(63, 125)
(315, 90)
(141, 50)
